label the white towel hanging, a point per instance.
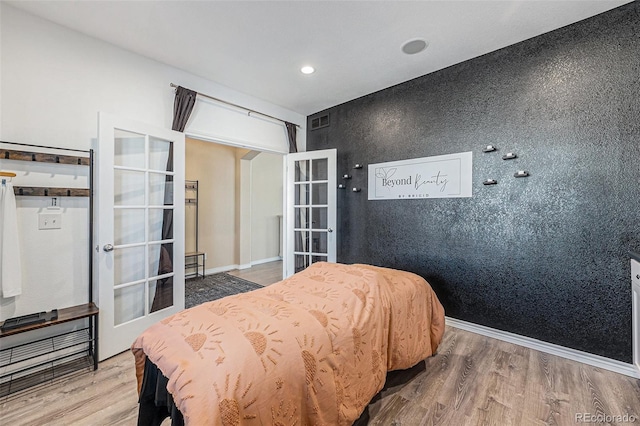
(10, 266)
(5, 175)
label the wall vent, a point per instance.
(319, 122)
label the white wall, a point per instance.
(63, 78)
(0, 69)
(53, 82)
(55, 261)
(220, 123)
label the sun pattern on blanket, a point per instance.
(265, 343)
(233, 410)
(312, 349)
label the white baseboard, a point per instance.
(236, 266)
(221, 269)
(261, 261)
(550, 348)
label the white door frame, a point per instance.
(259, 148)
(289, 198)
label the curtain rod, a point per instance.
(237, 106)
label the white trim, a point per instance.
(220, 269)
(237, 143)
(261, 261)
(561, 351)
(236, 266)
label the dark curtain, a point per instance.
(183, 105)
(299, 261)
(291, 135)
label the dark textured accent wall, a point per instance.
(545, 256)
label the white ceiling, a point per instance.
(258, 47)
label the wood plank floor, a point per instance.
(476, 380)
(263, 274)
(473, 380)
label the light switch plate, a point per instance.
(49, 221)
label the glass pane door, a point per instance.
(313, 208)
(140, 225)
(143, 231)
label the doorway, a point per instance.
(239, 208)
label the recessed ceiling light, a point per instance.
(307, 69)
(416, 45)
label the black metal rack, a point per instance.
(195, 260)
(44, 359)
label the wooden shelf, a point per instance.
(53, 353)
(64, 315)
(11, 154)
(36, 361)
(38, 191)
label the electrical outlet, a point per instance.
(49, 221)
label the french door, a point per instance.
(311, 209)
(140, 229)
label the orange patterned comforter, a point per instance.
(310, 350)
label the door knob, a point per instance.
(107, 247)
(329, 230)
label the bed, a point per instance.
(312, 349)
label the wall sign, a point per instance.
(441, 176)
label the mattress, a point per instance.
(311, 349)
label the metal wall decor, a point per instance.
(507, 156)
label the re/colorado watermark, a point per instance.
(605, 418)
